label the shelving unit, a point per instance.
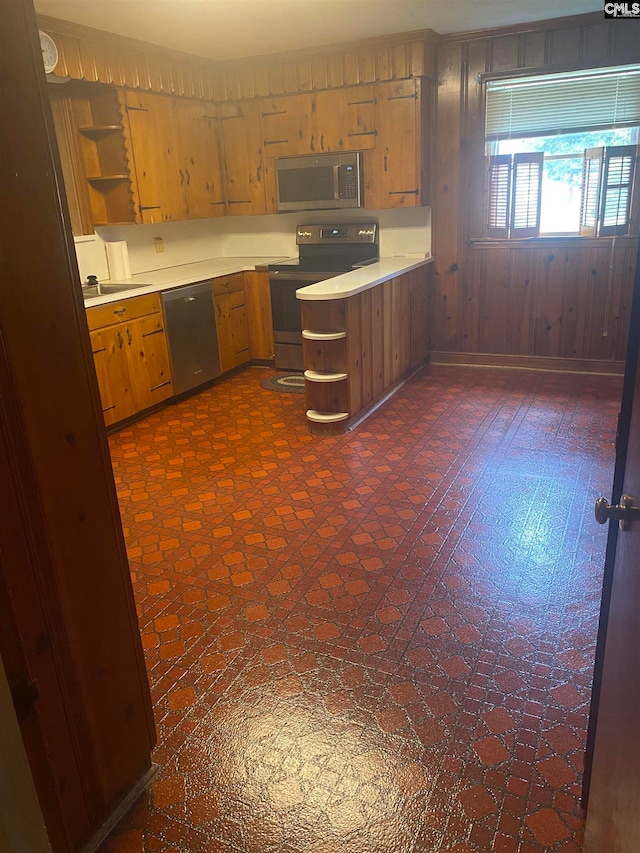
(98, 114)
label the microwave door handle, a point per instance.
(336, 183)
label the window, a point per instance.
(561, 153)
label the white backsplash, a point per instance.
(402, 232)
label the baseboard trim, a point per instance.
(530, 362)
(120, 810)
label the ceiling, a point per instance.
(229, 29)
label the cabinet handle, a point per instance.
(131, 109)
(404, 192)
(155, 332)
(322, 142)
(312, 143)
(188, 176)
(212, 118)
(119, 310)
(355, 103)
(241, 201)
(129, 338)
(161, 385)
(274, 113)
(274, 141)
(218, 202)
(120, 340)
(149, 207)
(181, 177)
(402, 97)
(365, 133)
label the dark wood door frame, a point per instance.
(69, 637)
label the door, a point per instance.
(612, 773)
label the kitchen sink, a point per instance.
(103, 289)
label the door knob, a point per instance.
(624, 513)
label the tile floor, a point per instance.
(375, 643)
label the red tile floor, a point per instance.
(380, 642)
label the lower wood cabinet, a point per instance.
(231, 320)
(130, 354)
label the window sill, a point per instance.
(555, 241)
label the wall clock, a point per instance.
(49, 52)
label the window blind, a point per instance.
(563, 103)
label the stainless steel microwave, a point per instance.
(319, 181)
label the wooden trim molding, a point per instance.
(529, 362)
(89, 54)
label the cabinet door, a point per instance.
(287, 125)
(148, 360)
(392, 170)
(241, 134)
(198, 157)
(232, 328)
(344, 119)
(259, 319)
(110, 359)
(152, 139)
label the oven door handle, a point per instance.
(304, 277)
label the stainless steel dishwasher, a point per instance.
(191, 331)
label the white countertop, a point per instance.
(338, 287)
(363, 278)
(152, 282)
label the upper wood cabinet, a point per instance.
(396, 169)
(287, 125)
(333, 120)
(175, 152)
(198, 155)
(345, 120)
(241, 142)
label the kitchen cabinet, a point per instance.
(344, 120)
(241, 142)
(130, 353)
(334, 120)
(175, 152)
(396, 169)
(198, 156)
(259, 319)
(231, 320)
(287, 125)
(89, 123)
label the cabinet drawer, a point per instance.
(227, 283)
(123, 309)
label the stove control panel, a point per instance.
(343, 233)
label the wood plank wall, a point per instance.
(551, 299)
(96, 56)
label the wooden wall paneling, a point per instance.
(366, 341)
(621, 303)
(323, 316)
(565, 46)
(305, 75)
(580, 270)
(446, 200)
(377, 341)
(258, 302)
(72, 162)
(290, 78)
(88, 61)
(319, 72)
(351, 68)
(519, 309)
(367, 65)
(505, 53)
(231, 85)
(596, 40)
(493, 300)
(129, 72)
(69, 61)
(601, 296)
(549, 277)
(335, 70)
(534, 49)
(353, 328)
(473, 165)
(384, 64)
(401, 61)
(387, 332)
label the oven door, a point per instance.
(285, 309)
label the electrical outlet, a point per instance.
(159, 244)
